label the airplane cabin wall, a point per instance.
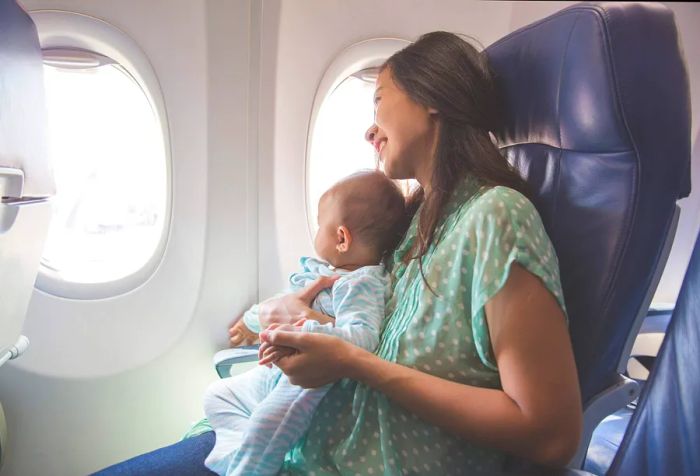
(76, 424)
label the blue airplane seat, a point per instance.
(663, 436)
(606, 441)
(596, 116)
(608, 435)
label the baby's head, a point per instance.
(361, 219)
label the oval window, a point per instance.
(339, 148)
(108, 154)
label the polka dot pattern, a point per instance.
(357, 430)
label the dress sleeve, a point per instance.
(504, 228)
(358, 304)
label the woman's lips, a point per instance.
(379, 145)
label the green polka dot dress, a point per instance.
(357, 430)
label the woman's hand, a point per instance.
(268, 353)
(292, 307)
(318, 359)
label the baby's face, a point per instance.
(328, 222)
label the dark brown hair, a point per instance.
(444, 72)
(374, 210)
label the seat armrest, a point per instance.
(607, 402)
(648, 342)
(233, 361)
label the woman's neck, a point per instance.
(424, 179)
(424, 170)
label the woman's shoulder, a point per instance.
(497, 203)
(499, 198)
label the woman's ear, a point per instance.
(433, 111)
(344, 239)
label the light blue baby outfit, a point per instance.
(259, 415)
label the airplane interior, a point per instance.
(165, 164)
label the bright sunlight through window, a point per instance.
(338, 148)
(107, 152)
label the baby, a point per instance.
(259, 415)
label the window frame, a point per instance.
(359, 56)
(64, 30)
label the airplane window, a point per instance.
(108, 156)
(338, 148)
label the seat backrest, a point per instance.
(597, 118)
(663, 436)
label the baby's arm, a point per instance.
(359, 305)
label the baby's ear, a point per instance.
(344, 239)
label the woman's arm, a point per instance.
(537, 415)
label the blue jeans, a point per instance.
(184, 458)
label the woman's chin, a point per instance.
(390, 169)
(396, 173)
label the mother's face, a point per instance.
(404, 132)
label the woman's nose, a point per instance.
(371, 132)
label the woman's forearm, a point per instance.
(484, 416)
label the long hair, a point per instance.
(444, 72)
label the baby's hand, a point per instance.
(241, 335)
(275, 353)
(269, 354)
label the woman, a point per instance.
(475, 361)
